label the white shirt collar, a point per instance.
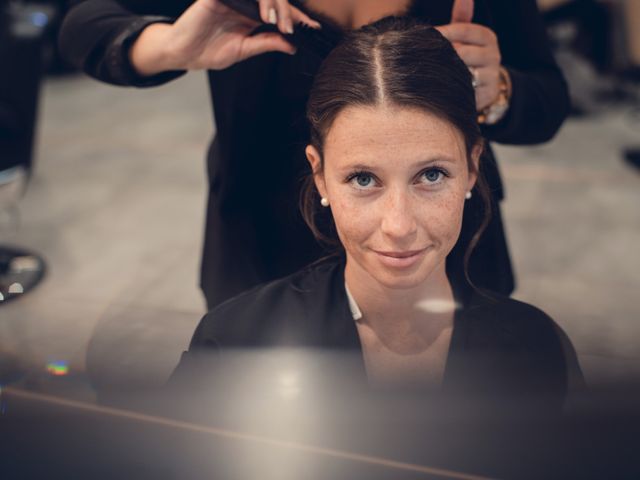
(353, 306)
(435, 305)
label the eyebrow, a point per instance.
(416, 165)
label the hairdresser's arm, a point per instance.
(540, 98)
(145, 43)
(96, 36)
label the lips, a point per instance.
(404, 254)
(400, 259)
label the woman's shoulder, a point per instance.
(514, 326)
(271, 311)
(494, 318)
(516, 347)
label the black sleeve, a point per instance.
(540, 98)
(233, 323)
(554, 365)
(96, 35)
(575, 378)
(196, 364)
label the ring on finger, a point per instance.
(475, 81)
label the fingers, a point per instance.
(486, 85)
(471, 33)
(485, 96)
(486, 77)
(285, 22)
(263, 43)
(478, 48)
(268, 11)
(280, 13)
(301, 17)
(474, 56)
(277, 12)
(462, 11)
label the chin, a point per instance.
(400, 281)
(402, 278)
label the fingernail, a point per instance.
(273, 16)
(289, 29)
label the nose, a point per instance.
(398, 219)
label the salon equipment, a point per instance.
(22, 29)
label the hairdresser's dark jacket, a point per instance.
(499, 346)
(254, 231)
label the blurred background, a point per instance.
(103, 189)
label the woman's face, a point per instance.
(396, 180)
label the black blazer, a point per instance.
(499, 346)
(254, 231)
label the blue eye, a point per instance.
(362, 180)
(433, 175)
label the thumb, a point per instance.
(263, 43)
(462, 11)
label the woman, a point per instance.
(254, 232)
(395, 151)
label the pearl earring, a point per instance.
(467, 195)
(324, 202)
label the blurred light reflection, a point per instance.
(288, 385)
(58, 368)
(39, 19)
(24, 263)
(437, 305)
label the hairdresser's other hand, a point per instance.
(210, 35)
(478, 47)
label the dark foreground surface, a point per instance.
(273, 424)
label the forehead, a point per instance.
(382, 132)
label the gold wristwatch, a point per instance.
(494, 112)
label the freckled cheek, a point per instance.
(356, 219)
(441, 217)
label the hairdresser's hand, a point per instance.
(210, 35)
(477, 45)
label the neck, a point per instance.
(381, 304)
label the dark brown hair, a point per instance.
(398, 61)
